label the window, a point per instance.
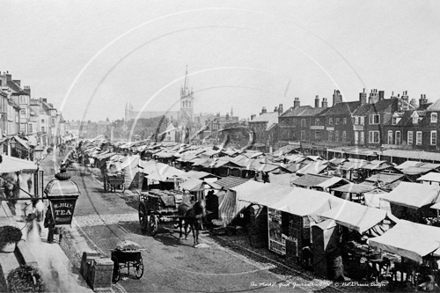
(415, 118)
(30, 128)
(390, 137)
(330, 135)
(42, 129)
(42, 120)
(330, 121)
(373, 137)
(316, 135)
(303, 122)
(361, 120)
(337, 135)
(398, 137)
(344, 121)
(362, 138)
(317, 122)
(22, 112)
(355, 120)
(337, 121)
(418, 138)
(433, 117)
(374, 119)
(356, 137)
(409, 138)
(434, 137)
(344, 136)
(303, 135)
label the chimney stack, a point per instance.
(280, 110)
(363, 97)
(423, 100)
(27, 89)
(253, 116)
(44, 100)
(263, 110)
(296, 103)
(337, 97)
(275, 109)
(405, 101)
(374, 97)
(413, 103)
(381, 95)
(8, 76)
(317, 101)
(324, 103)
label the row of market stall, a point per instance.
(349, 209)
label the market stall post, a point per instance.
(62, 194)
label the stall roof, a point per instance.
(314, 180)
(22, 141)
(313, 168)
(377, 165)
(355, 188)
(230, 182)
(413, 195)
(268, 193)
(431, 176)
(357, 217)
(13, 164)
(304, 202)
(386, 178)
(282, 179)
(353, 164)
(193, 184)
(408, 239)
(199, 174)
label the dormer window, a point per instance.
(415, 118)
(433, 117)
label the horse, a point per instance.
(191, 215)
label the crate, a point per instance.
(86, 262)
(101, 274)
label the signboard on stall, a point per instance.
(62, 210)
(277, 242)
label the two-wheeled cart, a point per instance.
(113, 181)
(130, 259)
(158, 210)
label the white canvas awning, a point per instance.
(431, 176)
(12, 164)
(408, 239)
(357, 217)
(413, 195)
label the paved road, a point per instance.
(170, 266)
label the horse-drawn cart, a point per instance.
(127, 255)
(112, 181)
(159, 209)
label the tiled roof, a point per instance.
(271, 118)
(380, 106)
(435, 106)
(313, 111)
(344, 108)
(230, 182)
(13, 86)
(293, 112)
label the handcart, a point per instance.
(127, 259)
(113, 181)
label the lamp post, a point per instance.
(38, 154)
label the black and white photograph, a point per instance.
(219, 146)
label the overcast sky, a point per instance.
(89, 58)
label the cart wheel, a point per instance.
(143, 217)
(153, 223)
(116, 270)
(139, 269)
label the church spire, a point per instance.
(186, 83)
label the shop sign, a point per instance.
(62, 210)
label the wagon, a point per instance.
(113, 181)
(127, 259)
(158, 209)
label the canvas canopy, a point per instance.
(264, 194)
(408, 239)
(413, 195)
(431, 176)
(357, 217)
(12, 164)
(355, 188)
(313, 168)
(193, 184)
(304, 202)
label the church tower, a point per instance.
(186, 112)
